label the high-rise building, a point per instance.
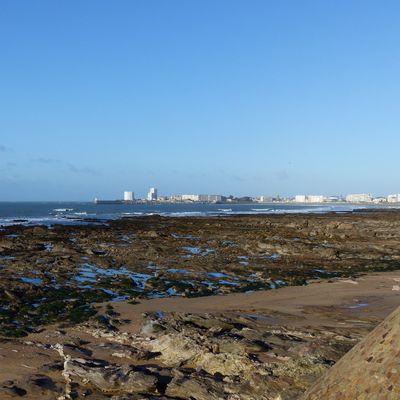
(152, 194)
(128, 196)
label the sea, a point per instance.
(72, 213)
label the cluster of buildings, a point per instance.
(152, 196)
(350, 198)
(203, 198)
(302, 198)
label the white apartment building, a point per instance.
(190, 197)
(214, 198)
(264, 199)
(311, 198)
(300, 198)
(128, 196)
(315, 199)
(176, 198)
(152, 194)
(359, 198)
(393, 198)
(203, 198)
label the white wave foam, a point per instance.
(133, 213)
(184, 213)
(28, 221)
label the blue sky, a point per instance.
(242, 97)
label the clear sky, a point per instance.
(198, 96)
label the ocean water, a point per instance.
(48, 213)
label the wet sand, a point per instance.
(370, 295)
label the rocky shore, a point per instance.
(133, 309)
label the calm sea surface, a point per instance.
(32, 213)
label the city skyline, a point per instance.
(154, 196)
(198, 97)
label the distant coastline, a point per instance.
(71, 213)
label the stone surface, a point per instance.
(371, 370)
(112, 378)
